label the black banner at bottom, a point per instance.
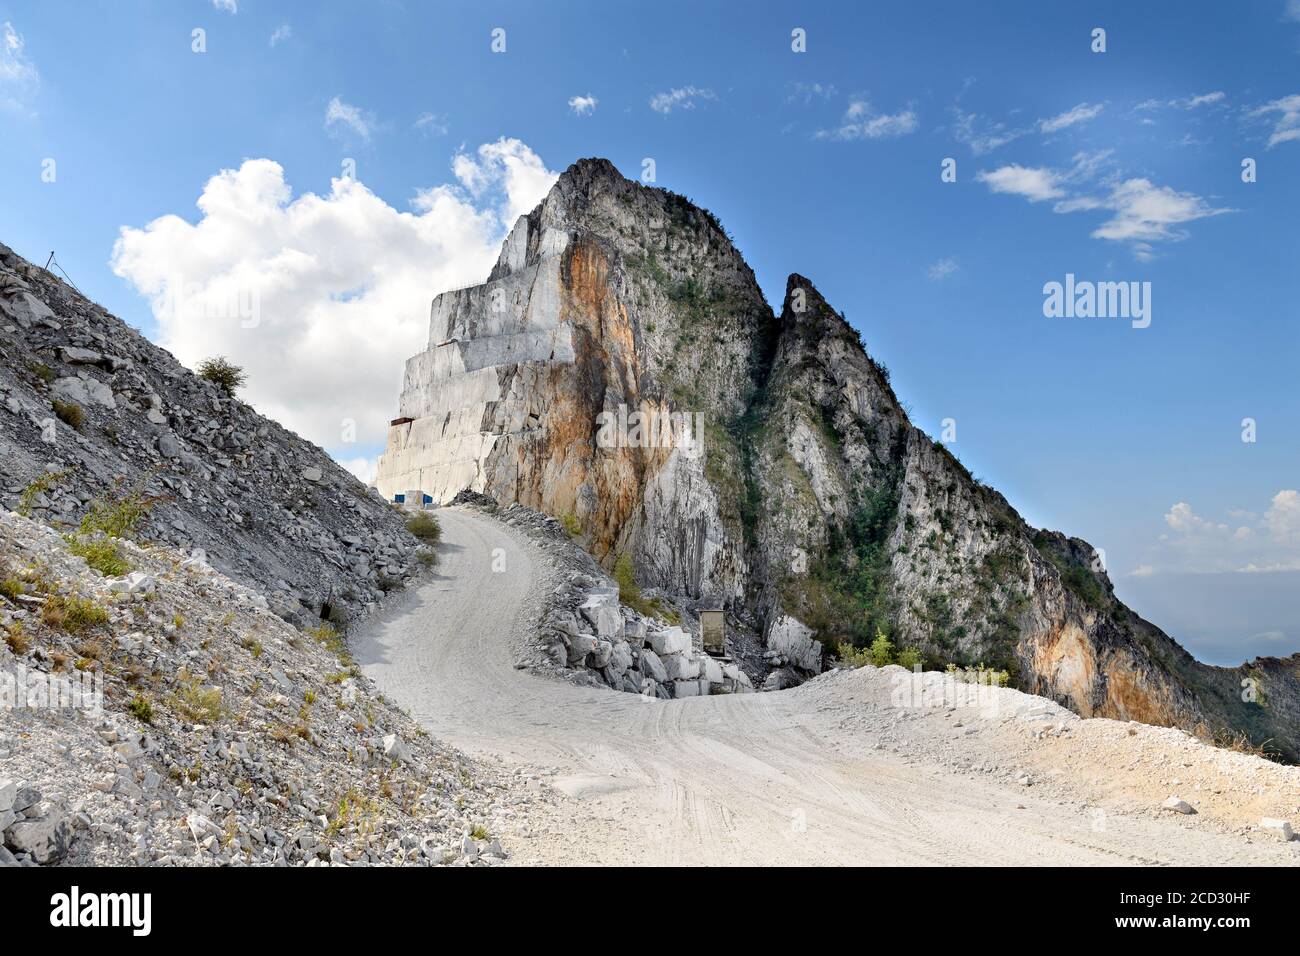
(145, 907)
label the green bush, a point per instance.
(570, 523)
(70, 413)
(910, 658)
(223, 373)
(424, 526)
(141, 709)
(72, 614)
(117, 516)
(101, 554)
(882, 649)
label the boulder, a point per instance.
(652, 667)
(580, 647)
(83, 391)
(1277, 828)
(680, 667)
(674, 640)
(602, 610)
(44, 835)
(1177, 805)
(710, 670)
(394, 749)
(787, 637)
(620, 658)
(600, 655)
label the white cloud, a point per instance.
(981, 135)
(226, 6)
(1142, 571)
(1144, 212)
(509, 165)
(1292, 11)
(1198, 544)
(1033, 183)
(1287, 126)
(583, 105)
(341, 116)
(1184, 103)
(341, 282)
(282, 32)
(19, 77)
(1141, 212)
(862, 122)
(807, 92)
(431, 124)
(1080, 114)
(943, 269)
(683, 98)
(364, 468)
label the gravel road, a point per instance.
(785, 777)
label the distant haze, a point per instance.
(1221, 618)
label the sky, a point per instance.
(290, 184)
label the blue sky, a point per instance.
(1115, 166)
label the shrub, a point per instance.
(427, 557)
(16, 638)
(329, 635)
(35, 488)
(979, 674)
(140, 708)
(118, 515)
(196, 703)
(221, 372)
(70, 413)
(910, 658)
(882, 649)
(73, 614)
(572, 527)
(101, 554)
(852, 656)
(425, 527)
(10, 588)
(41, 371)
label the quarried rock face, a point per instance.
(799, 492)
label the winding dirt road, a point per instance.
(747, 779)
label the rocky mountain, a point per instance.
(193, 726)
(621, 370)
(92, 414)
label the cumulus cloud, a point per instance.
(943, 269)
(322, 298)
(1286, 126)
(226, 6)
(680, 98)
(1248, 543)
(1141, 212)
(341, 117)
(1080, 114)
(583, 105)
(19, 77)
(1033, 183)
(860, 121)
(507, 165)
(1144, 212)
(282, 32)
